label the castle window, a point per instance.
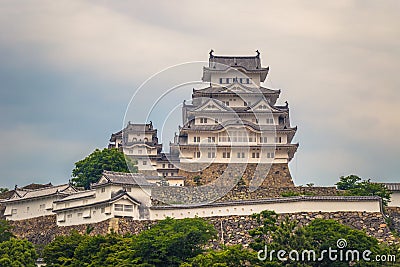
(128, 208)
(270, 155)
(262, 107)
(14, 211)
(69, 216)
(228, 80)
(196, 139)
(140, 151)
(103, 190)
(220, 81)
(103, 210)
(163, 165)
(203, 120)
(270, 120)
(196, 154)
(226, 155)
(278, 139)
(144, 162)
(118, 207)
(263, 139)
(211, 154)
(27, 208)
(79, 214)
(255, 155)
(42, 206)
(240, 155)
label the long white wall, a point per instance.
(395, 199)
(371, 205)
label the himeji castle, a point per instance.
(233, 120)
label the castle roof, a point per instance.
(64, 189)
(392, 186)
(122, 178)
(216, 89)
(224, 63)
(134, 127)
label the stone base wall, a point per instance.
(393, 214)
(231, 229)
(276, 175)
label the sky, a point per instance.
(68, 70)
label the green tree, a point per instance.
(171, 242)
(348, 182)
(229, 256)
(318, 235)
(17, 253)
(3, 190)
(61, 251)
(326, 233)
(354, 186)
(90, 169)
(5, 231)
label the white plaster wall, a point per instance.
(30, 208)
(287, 207)
(395, 199)
(96, 215)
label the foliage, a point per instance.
(319, 235)
(356, 187)
(348, 182)
(90, 169)
(168, 243)
(17, 253)
(197, 180)
(3, 190)
(5, 231)
(230, 256)
(290, 194)
(325, 233)
(60, 252)
(171, 242)
(294, 194)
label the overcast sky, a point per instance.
(69, 68)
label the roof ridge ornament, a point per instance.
(258, 53)
(211, 53)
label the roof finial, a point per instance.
(15, 187)
(287, 104)
(211, 53)
(258, 53)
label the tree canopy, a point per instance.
(17, 253)
(168, 243)
(5, 231)
(90, 169)
(354, 186)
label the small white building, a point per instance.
(395, 197)
(114, 195)
(26, 204)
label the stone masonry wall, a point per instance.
(394, 218)
(233, 229)
(276, 175)
(182, 195)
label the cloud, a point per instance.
(73, 66)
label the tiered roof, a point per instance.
(250, 64)
(119, 178)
